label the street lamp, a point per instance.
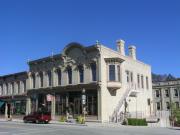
(84, 102)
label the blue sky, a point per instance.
(31, 29)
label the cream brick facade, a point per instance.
(108, 94)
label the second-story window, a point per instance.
(138, 80)
(69, 71)
(158, 106)
(119, 73)
(157, 93)
(18, 87)
(1, 90)
(127, 76)
(93, 71)
(167, 93)
(59, 76)
(49, 78)
(7, 89)
(147, 83)
(41, 79)
(142, 82)
(112, 75)
(131, 75)
(24, 86)
(12, 87)
(81, 73)
(167, 105)
(33, 81)
(175, 92)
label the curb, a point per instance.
(51, 122)
(71, 124)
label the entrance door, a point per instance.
(77, 106)
(8, 110)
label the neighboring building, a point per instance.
(13, 90)
(95, 78)
(165, 93)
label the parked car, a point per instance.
(37, 117)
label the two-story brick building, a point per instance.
(96, 79)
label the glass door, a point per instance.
(77, 106)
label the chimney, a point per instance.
(132, 52)
(120, 46)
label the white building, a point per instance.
(96, 78)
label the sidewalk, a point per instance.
(51, 122)
(90, 124)
(55, 122)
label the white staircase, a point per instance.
(118, 115)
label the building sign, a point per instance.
(49, 97)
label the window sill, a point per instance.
(114, 85)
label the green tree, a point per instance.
(175, 114)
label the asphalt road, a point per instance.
(15, 128)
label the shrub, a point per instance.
(125, 122)
(137, 122)
(80, 120)
(63, 119)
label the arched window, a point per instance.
(49, 75)
(81, 73)
(93, 71)
(6, 90)
(58, 71)
(12, 87)
(33, 81)
(41, 79)
(1, 90)
(69, 71)
(18, 87)
(24, 86)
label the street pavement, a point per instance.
(19, 128)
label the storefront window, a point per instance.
(60, 104)
(71, 102)
(92, 104)
(19, 107)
